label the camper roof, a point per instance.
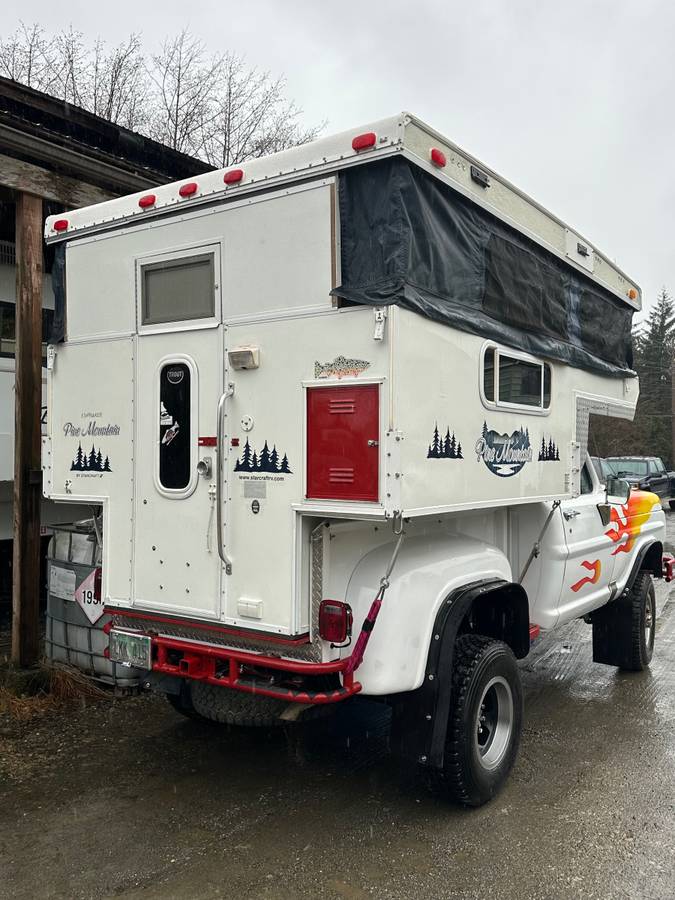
(403, 135)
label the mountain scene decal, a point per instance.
(447, 447)
(266, 461)
(504, 454)
(90, 462)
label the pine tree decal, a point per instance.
(548, 451)
(447, 447)
(266, 461)
(90, 462)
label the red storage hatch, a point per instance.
(343, 430)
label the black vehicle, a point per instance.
(645, 472)
(603, 468)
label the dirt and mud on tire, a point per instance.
(485, 721)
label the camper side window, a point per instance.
(174, 426)
(510, 381)
(176, 290)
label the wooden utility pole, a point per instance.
(28, 400)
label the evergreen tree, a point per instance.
(557, 455)
(274, 459)
(106, 465)
(264, 461)
(284, 466)
(459, 451)
(542, 450)
(92, 458)
(453, 447)
(244, 464)
(99, 461)
(649, 434)
(435, 450)
(485, 429)
(254, 462)
(446, 444)
(77, 464)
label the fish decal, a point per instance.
(341, 367)
(627, 521)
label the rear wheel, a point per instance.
(640, 630)
(485, 721)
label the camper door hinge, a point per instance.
(51, 356)
(380, 322)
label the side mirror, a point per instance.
(617, 489)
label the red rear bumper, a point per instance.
(249, 672)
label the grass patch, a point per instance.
(27, 693)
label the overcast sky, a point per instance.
(572, 101)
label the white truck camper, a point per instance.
(334, 407)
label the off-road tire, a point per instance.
(232, 707)
(639, 637)
(469, 775)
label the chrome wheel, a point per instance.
(650, 617)
(494, 722)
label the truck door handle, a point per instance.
(571, 513)
(372, 443)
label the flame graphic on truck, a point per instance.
(627, 521)
(595, 567)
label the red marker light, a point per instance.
(335, 621)
(60, 225)
(147, 200)
(233, 176)
(364, 141)
(187, 190)
(438, 157)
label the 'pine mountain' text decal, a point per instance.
(504, 454)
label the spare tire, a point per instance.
(232, 707)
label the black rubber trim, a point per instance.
(637, 565)
(437, 687)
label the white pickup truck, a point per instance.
(334, 406)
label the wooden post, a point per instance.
(672, 414)
(28, 400)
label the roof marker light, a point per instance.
(147, 200)
(187, 190)
(233, 176)
(364, 141)
(632, 294)
(438, 157)
(60, 225)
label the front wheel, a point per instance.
(485, 721)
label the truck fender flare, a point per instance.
(648, 558)
(430, 704)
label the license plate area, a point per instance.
(131, 649)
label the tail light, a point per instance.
(335, 621)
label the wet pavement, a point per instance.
(126, 798)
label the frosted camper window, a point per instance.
(176, 290)
(514, 381)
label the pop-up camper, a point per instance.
(334, 405)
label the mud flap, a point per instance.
(612, 626)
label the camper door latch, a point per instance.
(380, 322)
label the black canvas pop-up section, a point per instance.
(410, 240)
